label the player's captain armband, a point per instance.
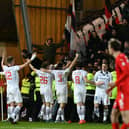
(33, 57)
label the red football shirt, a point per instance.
(122, 70)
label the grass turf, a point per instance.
(42, 125)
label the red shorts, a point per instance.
(122, 102)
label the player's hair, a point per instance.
(59, 65)
(10, 59)
(79, 65)
(115, 44)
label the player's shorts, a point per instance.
(122, 102)
(14, 96)
(62, 94)
(46, 95)
(101, 98)
(79, 95)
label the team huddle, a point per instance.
(102, 81)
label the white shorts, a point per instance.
(79, 95)
(14, 96)
(46, 95)
(101, 98)
(62, 95)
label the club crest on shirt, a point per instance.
(123, 63)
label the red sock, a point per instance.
(124, 126)
(115, 125)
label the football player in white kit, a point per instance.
(105, 77)
(79, 79)
(61, 76)
(45, 91)
(13, 92)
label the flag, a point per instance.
(117, 21)
(70, 28)
(108, 9)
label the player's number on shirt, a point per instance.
(60, 76)
(43, 80)
(8, 75)
(77, 79)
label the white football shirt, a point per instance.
(78, 78)
(60, 77)
(12, 76)
(102, 76)
(45, 79)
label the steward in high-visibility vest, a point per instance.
(26, 90)
(90, 97)
(89, 86)
(37, 97)
(114, 90)
(70, 91)
(113, 93)
(37, 87)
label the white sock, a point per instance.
(105, 113)
(42, 110)
(16, 111)
(17, 118)
(96, 111)
(79, 112)
(58, 114)
(11, 110)
(62, 114)
(82, 112)
(47, 112)
(50, 112)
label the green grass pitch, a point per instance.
(42, 125)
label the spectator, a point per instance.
(125, 10)
(126, 48)
(49, 49)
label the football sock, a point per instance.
(62, 114)
(105, 113)
(47, 112)
(58, 114)
(79, 112)
(96, 111)
(82, 112)
(115, 125)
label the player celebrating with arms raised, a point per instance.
(61, 76)
(13, 92)
(45, 90)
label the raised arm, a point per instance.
(32, 67)
(67, 65)
(28, 61)
(3, 58)
(25, 64)
(74, 61)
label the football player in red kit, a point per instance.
(121, 104)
